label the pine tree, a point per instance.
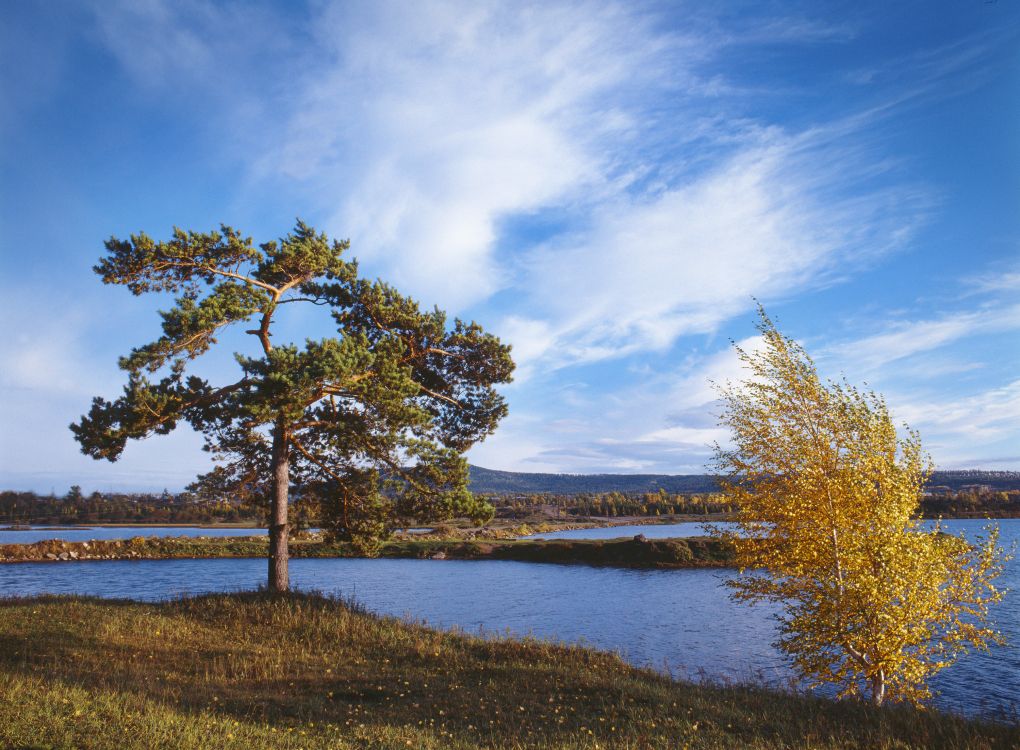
(372, 423)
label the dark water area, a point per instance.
(680, 621)
(89, 533)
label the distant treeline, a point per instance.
(491, 482)
(975, 503)
(98, 507)
(186, 508)
(608, 504)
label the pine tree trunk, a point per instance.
(279, 577)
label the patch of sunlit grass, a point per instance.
(305, 671)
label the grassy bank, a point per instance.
(694, 552)
(251, 671)
(635, 553)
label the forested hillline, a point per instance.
(23, 509)
(491, 481)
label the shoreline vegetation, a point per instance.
(634, 552)
(213, 671)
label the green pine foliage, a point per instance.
(371, 424)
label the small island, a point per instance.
(636, 552)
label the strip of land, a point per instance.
(636, 552)
(255, 671)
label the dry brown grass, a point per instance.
(256, 671)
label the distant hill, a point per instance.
(512, 482)
(964, 479)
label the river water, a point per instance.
(680, 621)
(88, 533)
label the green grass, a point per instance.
(255, 671)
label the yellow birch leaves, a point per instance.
(826, 492)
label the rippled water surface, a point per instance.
(680, 620)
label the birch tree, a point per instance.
(827, 495)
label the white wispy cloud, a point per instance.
(688, 259)
(422, 129)
(660, 422)
(424, 126)
(668, 421)
(425, 130)
(982, 417)
(908, 338)
(203, 46)
(918, 365)
(156, 41)
(1003, 279)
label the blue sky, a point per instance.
(606, 186)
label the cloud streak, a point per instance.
(423, 127)
(423, 131)
(686, 260)
(909, 338)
